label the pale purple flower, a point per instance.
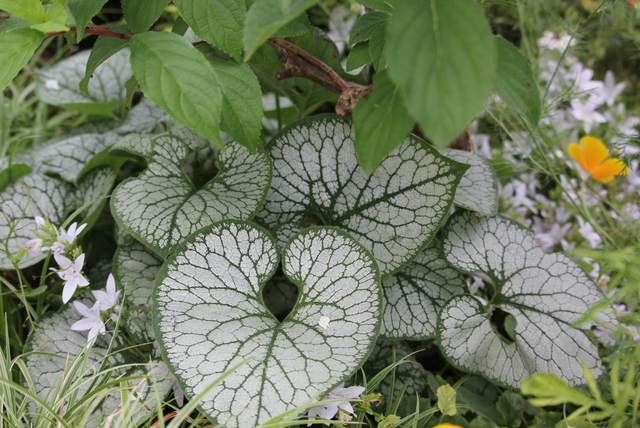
(586, 230)
(71, 273)
(329, 410)
(91, 320)
(68, 236)
(40, 222)
(581, 79)
(35, 245)
(109, 297)
(586, 112)
(552, 236)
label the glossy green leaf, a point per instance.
(266, 17)
(209, 315)
(478, 189)
(380, 122)
(442, 56)
(219, 22)
(18, 46)
(545, 293)
(103, 49)
(83, 11)
(394, 212)
(175, 76)
(55, 18)
(29, 10)
(514, 82)
(414, 295)
(241, 102)
(511, 405)
(142, 14)
(381, 5)
(366, 25)
(358, 56)
(59, 85)
(29, 196)
(377, 47)
(158, 206)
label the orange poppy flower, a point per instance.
(447, 426)
(593, 157)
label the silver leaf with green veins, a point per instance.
(414, 295)
(209, 316)
(394, 212)
(544, 293)
(31, 195)
(161, 207)
(478, 189)
(135, 268)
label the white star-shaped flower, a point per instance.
(329, 410)
(91, 320)
(586, 112)
(71, 273)
(609, 91)
(109, 297)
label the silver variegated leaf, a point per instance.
(68, 157)
(414, 295)
(143, 118)
(29, 196)
(394, 212)
(161, 207)
(96, 184)
(53, 335)
(209, 316)
(478, 189)
(59, 84)
(543, 293)
(135, 268)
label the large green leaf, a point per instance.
(83, 11)
(241, 102)
(30, 10)
(219, 22)
(527, 326)
(366, 25)
(175, 76)
(394, 212)
(104, 48)
(29, 196)
(59, 85)
(478, 189)
(380, 123)
(141, 14)
(209, 315)
(52, 347)
(515, 82)
(358, 56)
(414, 296)
(161, 206)
(442, 56)
(266, 17)
(18, 46)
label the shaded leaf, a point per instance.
(141, 14)
(366, 25)
(18, 46)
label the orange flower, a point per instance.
(593, 157)
(447, 426)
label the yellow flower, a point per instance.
(447, 426)
(593, 157)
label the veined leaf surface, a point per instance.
(135, 268)
(18, 46)
(478, 189)
(394, 212)
(544, 293)
(59, 85)
(29, 196)
(161, 207)
(209, 315)
(414, 295)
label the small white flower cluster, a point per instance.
(62, 243)
(329, 410)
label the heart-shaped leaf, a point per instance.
(209, 315)
(478, 189)
(161, 207)
(29, 196)
(527, 327)
(414, 295)
(136, 267)
(52, 346)
(59, 85)
(394, 212)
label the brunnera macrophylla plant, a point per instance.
(340, 226)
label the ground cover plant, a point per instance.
(276, 213)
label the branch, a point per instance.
(93, 29)
(300, 63)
